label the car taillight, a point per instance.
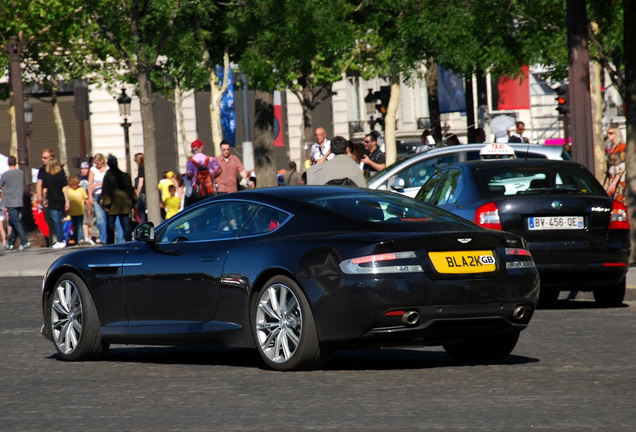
(619, 219)
(488, 216)
(397, 262)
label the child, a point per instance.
(77, 197)
(173, 202)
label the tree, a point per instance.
(302, 46)
(140, 32)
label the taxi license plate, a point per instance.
(456, 262)
(556, 223)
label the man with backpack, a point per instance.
(201, 170)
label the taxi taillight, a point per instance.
(619, 219)
(488, 216)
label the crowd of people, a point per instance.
(101, 203)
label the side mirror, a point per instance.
(399, 184)
(145, 232)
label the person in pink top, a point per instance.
(231, 165)
(200, 159)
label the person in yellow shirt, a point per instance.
(168, 179)
(77, 197)
(173, 202)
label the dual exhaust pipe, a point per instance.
(412, 317)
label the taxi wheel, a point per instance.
(284, 327)
(610, 296)
(483, 349)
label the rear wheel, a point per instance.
(73, 320)
(611, 296)
(483, 349)
(284, 327)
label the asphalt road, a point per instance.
(573, 370)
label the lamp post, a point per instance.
(370, 100)
(124, 111)
(27, 215)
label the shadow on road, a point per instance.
(343, 359)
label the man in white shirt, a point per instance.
(321, 150)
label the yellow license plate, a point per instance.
(479, 261)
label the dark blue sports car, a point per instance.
(578, 236)
(295, 272)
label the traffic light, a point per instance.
(563, 99)
(383, 97)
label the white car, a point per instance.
(408, 175)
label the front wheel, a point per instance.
(611, 296)
(73, 320)
(483, 349)
(284, 327)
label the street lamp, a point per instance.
(28, 223)
(370, 100)
(124, 111)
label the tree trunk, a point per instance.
(215, 114)
(597, 120)
(390, 120)
(264, 140)
(433, 100)
(178, 96)
(61, 136)
(151, 178)
(629, 54)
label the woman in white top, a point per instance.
(95, 180)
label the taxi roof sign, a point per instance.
(497, 151)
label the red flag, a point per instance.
(514, 93)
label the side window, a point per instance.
(417, 174)
(426, 193)
(265, 220)
(214, 221)
(449, 188)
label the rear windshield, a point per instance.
(536, 180)
(382, 207)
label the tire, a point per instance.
(483, 349)
(548, 297)
(73, 321)
(284, 328)
(610, 296)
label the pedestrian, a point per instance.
(173, 202)
(77, 197)
(428, 142)
(480, 135)
(340, 170)
(374, 161)
(56, 199)
(614, 182)
(168, 178)
(95, 183)
(12, 185)
(140, 188)
(3, 231)
(230, 165)
(88, 224)
(452, 140)
(320, 150)
(517, 135)
(201, 170)
(292, 177)
(47, 155)
(118, 199)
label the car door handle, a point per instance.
(209, 258)
(173, 252)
